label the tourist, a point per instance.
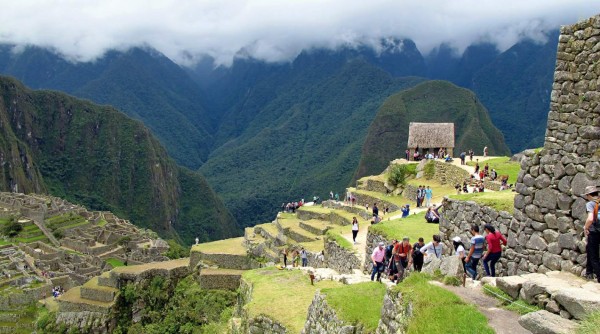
(592, 230)
(331, 195)
(417, 255)
(304, 257)
(494, 239)
(463, 157)
(475, 252)
(419, 197)
(493, 175)
(477, 167)
(486, 170)
(354, 229)
(458, 188)
(377, 258)
(459, 249)
(407, 155)
(348, 197)
(435, 247)
(402, 257)
(428, 196)
(481, 187)
(485, 151)
(375, 213)
(405, 211)
(389, 262)
(465, 188)
(353, 200)
(481, 175)
(432, 215)
(320, 257)
(337, 197)
(197, 240)
(471, 153)
(294, 258)
(284, 252)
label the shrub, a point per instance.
(58, 234)
(176, 251)
(398, 175)
(429, 170)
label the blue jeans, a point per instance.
(304, 262)
(492, 258)
(377, 269)
(471, 267)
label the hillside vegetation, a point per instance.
(430, 102)
(97, 157)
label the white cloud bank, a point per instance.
(275, 30)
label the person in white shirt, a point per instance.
(434, 248)
(459, 247)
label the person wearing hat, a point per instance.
(402, 256)
(377, 257)
(592, 230)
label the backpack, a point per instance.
(416, 250)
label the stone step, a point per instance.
(298, 234)
(105, 279)
(93, 291)
(316, 227)
(334, 216)
(372, 183)
(358, 210)
(369, 197)
(270, 232)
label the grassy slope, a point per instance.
(413, 226)
(358, 303)
(96, 156)
(440, 311)
(503, 166)
(283, 295)
(431, 101)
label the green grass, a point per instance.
(518, 306)
(229, 246)
(358, 303)
(499, 200)
(283, 295)
(503, 166)
(102, 222)
(32, 239)
(115, 262)
(413, 226)
(340, 240)
(436, 310)
(590, 324)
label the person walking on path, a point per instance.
(417, 255)
(419, 197)
(494, 239)
(463, 157)
(475, 252)
(435, 247)
(354, 229)
(304, 257)
(377, 258)
(485, 151)
(428, 196)
(592, 230)
(375, 213)
(471, 153)
(402, 257)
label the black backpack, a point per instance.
(388, 251)
(416, 250)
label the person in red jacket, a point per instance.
(494, 239)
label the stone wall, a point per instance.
(551, 181)
(395, 313)
(460, 215)
(322, 319)
(446, 173)
(341, 259)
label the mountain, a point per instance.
(304, 141)
(96, 156)
(143, 83)
(430, 101)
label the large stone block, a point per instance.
(511, 285)
(452, 266)
(544, 322)
(578, 302)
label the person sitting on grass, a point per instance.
(432, 215)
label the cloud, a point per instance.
(275, 30)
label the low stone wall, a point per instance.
(447, 173)
(342, 260)
(92, 322)
(363, 199)
(219, 281)
(227, 261)
(357, 210)
(371, 184)
(395, 313)
(322, 319)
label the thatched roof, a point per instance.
(430, 135)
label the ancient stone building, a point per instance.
(430, 137)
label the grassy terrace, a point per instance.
(229, 246)
(358, 303)
(283, 295)
(393, 199)
(437, 310)
(413, 226)
(503, 166)
(114, 262)
(499, 200)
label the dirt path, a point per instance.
(361, 241)
(501, 320)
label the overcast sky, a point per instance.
(275, 30)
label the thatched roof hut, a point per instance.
(430, 135)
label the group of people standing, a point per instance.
(424, 194)
(397, 258)
(477, 251)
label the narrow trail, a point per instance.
(501, 320)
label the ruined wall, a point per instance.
(339, 258)
(551, 181)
